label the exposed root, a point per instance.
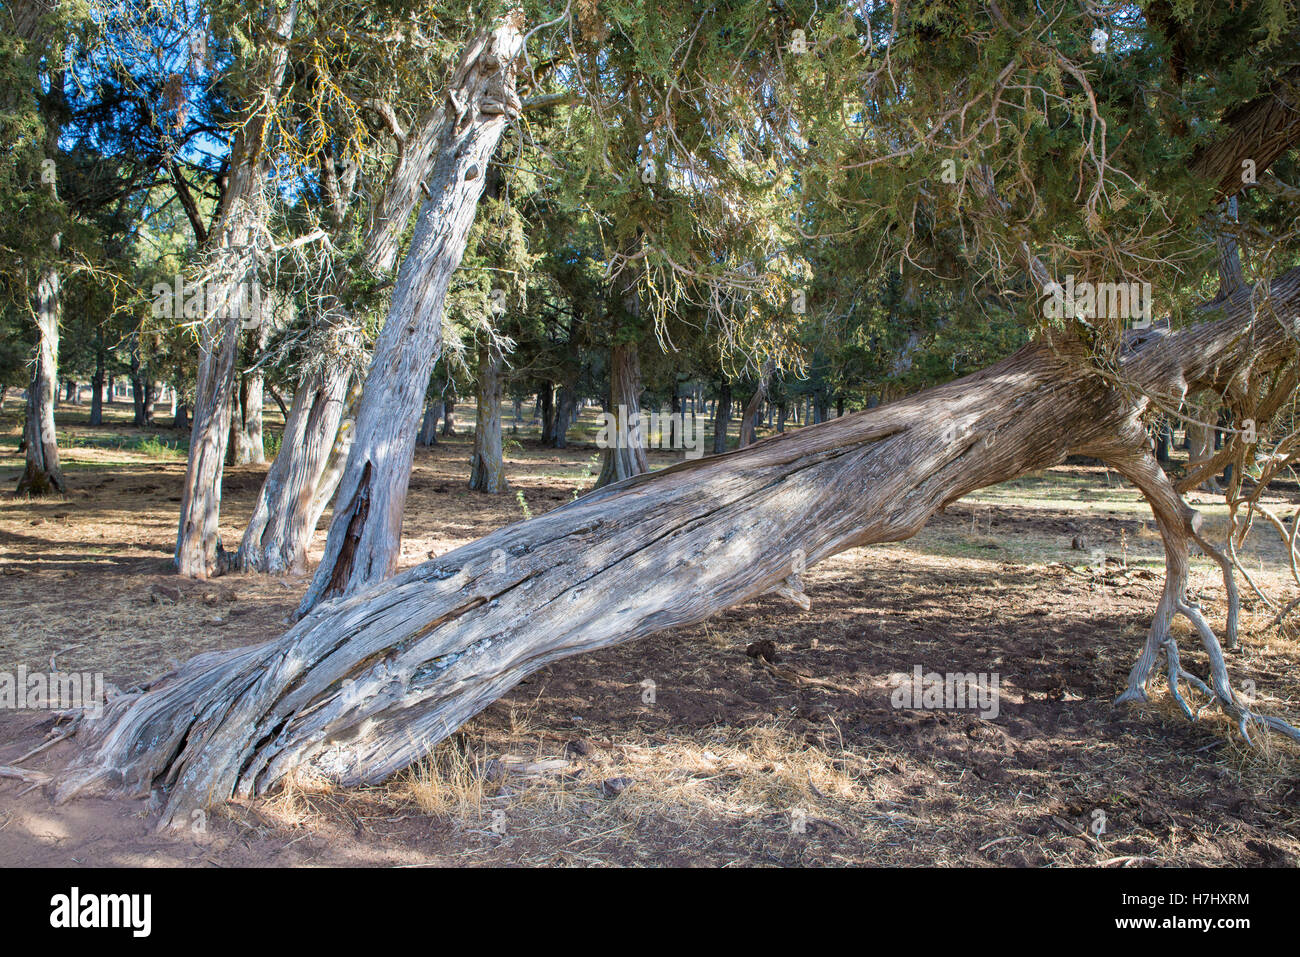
(31, 777)
(1179, 526)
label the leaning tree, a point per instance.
(362, 686)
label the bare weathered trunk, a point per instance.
(429, 428)
(362, 688)
(246, 445)
(625, 455)
(231, 267)
(487, 466)
(449, 416)
(365, 533)
(300, 483)
(41, 472)
(284, 519)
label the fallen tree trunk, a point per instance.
(364, 686)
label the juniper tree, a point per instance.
(1018, 140)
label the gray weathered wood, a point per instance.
(362, 687)
(365, 531)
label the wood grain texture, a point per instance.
(363, 686)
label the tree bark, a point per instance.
(284, 519)
(142, 388)
(749, 419)
(1231, 276)
(41, 472)
(625, 456)
(429, 428)
(546, 401)
(246, 445)
(361, 689)
(365, 533)
(487, 465)
(1200, 437)
(231, 263)
(565, 411)
(298, 478)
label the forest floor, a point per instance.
(728, 761)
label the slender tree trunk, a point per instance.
(1201, 437)
(1231, 276)
(248, 447)
(246, 444)
(365, 533)
(284, 519)
(229, 267)
(564, 417)
(142, 389)
(749, 418)
(97, 384)
(429, 428)
(625, 456)
(487, 466)
(41, 473)
(1163, 441)
(313, 450)
(546, 399)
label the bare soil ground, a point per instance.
(729, 762)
